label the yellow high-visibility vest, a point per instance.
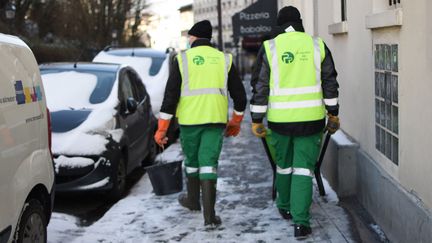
(204, 93)
(295, 78)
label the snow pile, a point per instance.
(95, 185)
(171, 154)
(75, 162)
(341, 139)
(90, 138)
(72, 89)
(379, 232)
(155, 85)
(331, 195)
(62, 228)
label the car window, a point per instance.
(156, 65)
(126, 88)
(139, 90)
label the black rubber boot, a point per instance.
(285, 214)
(209, 201)
(301, 232)
(191, 200)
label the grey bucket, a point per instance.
(166, 178)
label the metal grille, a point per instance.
(387, 101)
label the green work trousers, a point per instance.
(201, 146)
(295, 159)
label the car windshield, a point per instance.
(76, 89)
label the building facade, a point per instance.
(207, 9)
(164, 21)
(381, 50)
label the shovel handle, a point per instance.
(318, 177)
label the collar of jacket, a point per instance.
(296, 25)
(201, 42)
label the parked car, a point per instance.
(26, 166)
(102, 125)
(153, 67)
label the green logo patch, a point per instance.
(198, 60)
(288, 57)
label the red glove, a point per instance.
(233, 126)
(160, 136)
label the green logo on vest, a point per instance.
(198, 60)
(288, 57)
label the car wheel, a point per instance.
(32, 226)
(119, 180)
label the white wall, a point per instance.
(353, 55)
(416, 99)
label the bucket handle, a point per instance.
(161, 150)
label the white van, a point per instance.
(26, 167)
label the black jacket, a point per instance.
(173, 87)
(260, 90)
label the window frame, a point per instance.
(387, 102)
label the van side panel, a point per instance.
(25, 160)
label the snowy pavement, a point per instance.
(244, 204)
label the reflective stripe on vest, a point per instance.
(304, 100)
(204, 92)
(186, 91)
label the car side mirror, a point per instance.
(131, 105)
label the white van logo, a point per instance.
(25, 95)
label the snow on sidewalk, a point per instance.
(244, 204)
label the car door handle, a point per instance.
(143, 100)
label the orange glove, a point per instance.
(259, 130)
(333, 124)
(233, 126)
(160, 136)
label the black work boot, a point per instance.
(301, 232)
(285, 214)
(209, 200)
(191, 199)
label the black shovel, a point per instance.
(273, 165)
(317, 171)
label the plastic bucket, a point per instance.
(166, 178)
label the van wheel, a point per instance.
(32, 226)
(119, 180)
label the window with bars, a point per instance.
(394, 2)
(386, 101)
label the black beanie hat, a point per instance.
(288, 14)
(202, 29)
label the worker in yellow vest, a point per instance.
(295, 86)
(197, 92)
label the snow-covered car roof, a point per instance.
(157, 57)
(136, 58)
